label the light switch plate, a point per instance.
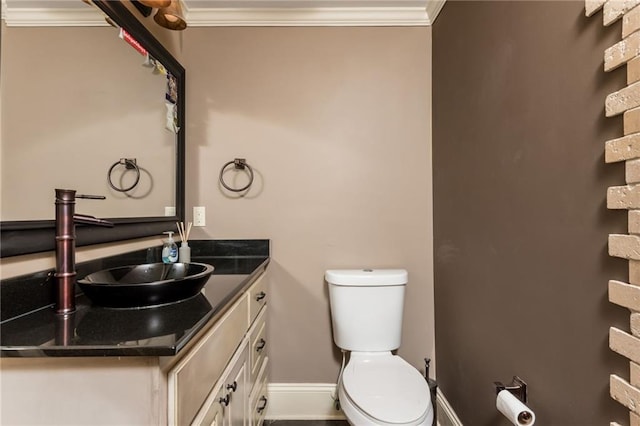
(199, 217)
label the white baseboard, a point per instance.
(302, 401)
(446, 415)
(314, 401)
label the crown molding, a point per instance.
(243, 16)
(323, 16)
(51, 17)
(433, 9)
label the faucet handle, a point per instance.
(91, 197)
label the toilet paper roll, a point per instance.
(514, 410)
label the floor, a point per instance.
(306, 423)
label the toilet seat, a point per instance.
(386, 388)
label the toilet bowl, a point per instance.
(383, 389)
(375, 387)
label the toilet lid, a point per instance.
(387, 388)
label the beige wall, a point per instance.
(336, 123)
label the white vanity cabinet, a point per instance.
(219, 378)
(239, 336)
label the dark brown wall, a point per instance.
(520, 220)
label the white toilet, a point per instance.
(376, 387)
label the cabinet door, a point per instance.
(258, 336)
(258, 400)
(226, 405)
(237, 388)
(257, 297)
(214, 416)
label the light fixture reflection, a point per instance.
(171, 17)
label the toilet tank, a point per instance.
(366, 308)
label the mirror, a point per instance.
(65, 149)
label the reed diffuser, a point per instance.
(184, 253)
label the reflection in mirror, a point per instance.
(94, 102)
(78, 112)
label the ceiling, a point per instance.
(241, 12)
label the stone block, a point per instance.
(625, 295)
(624, 344)
(592, 6)
(622, 52)
(634, 272)
(623, 197)
(633, 69)
(634, 419)
(632, 171)
(634, 322)
(624, 246)
(634, 221)
(634, 374)
(623, 100)
(612, 10)
(624, 393)
(621, 149)
(631, 118)
(631, 22)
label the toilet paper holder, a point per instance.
(518, 388)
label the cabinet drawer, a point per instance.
(258, 345)
(192, 379)
(258, 402)
(257, 297)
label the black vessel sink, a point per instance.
(150, 284)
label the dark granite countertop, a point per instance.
(153, 331)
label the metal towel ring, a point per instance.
(239, 164)
(129, 164)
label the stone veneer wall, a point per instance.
(627, 148)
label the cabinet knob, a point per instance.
(260, 296)
(263, 401)
(233, 386)
(261, 344)
(224, 401)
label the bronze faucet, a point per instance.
(65, 275)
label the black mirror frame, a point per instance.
(26, 237)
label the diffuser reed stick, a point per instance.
(184, 231)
